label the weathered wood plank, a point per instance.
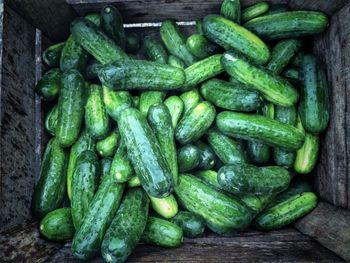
(327, 6)
(330, 226)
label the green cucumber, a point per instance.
(292, 75)
(132, 43)
(272, 87)
(84, 185)
(275, 9)
(191, 224)
(230, 35)
(306, 156)
(126, 228)
(207, 157)
(116, 101)
(51, 120)
(50, 190)
(195, 122)
(121, 168)
(188, 157)
(108, 146)
(49, 85)
(149, 98)
(134, 182)
(145, 154)
(95, 18)
(190, 99)
(229, 96)
(91, 69)
(154, 50)
(231, 9)
(57, 225)
(288, 24)
(175, 42)
(176, 107)
(136, 101)
(254, 11)
(105, 165)
(176, 62)
(52, 55)
(166, 207)
(201, 47)
(286, 212)
(73, 56)
(162, 233)
(199, 27)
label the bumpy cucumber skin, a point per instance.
(58, 225)
(188, 157)
(148, 99)
(195, 122)
(73, 55)
(52, 55)
(200, 47)
(48, 86)
(166, 207)
(50, 190)
(127, 227)
(306, 156)
(253, 11)
(176, 62)
(231, 9)
(108, 146)
(207, 157)
(133, 43)
(116, 101)
(230, 35)
(152, 168)
(261, 129)
(91, 69)
(191, 224)
(230, 96)
(51, 120)
(286, 212)
(175, 106)
(121, 168)
(274, 88)
(190, 99)
(162, 233)
(154, 50)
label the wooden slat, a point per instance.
(327, 6)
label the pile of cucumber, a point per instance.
(158, 139)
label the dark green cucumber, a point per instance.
(190, 99)
(49, 85)
(231, 9)
(292, 75)
(228, 150)
(275, 9)
(230, 35)
(112, 25)
(50, 190)
(127, 227)
(52, 55)
(96, 118)
(207, 157)
(175, 42)
(282, 53)
(105, 166)
(132, 43)
(108, 146)
(134, 182)
(195, 122)
(91, 69)
(121, 168)
(141, 74)
(95, 42)
(286, 212)
(176, 62)
(70, 107)
(159, 119)
(288, 24)
(306, 156)
(223, 214)
(254, 11)
(166, 207)
(84, 185)
(73, 55)
(313, 108)
(58, 225)
(162, 233)
(188, 157)
(116, 101)
(148, 99)
(154, 50)
(145, 154)
(229, 96)
(202, 70)
(51, 120)
(201, 47)
(191, 224)
(176, 107)
(199, 27)
(272, 87)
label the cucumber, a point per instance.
(84, 185)
(313, 108)
(306, 156)
(275, 9)
(230, 96)
(149, 98)
(136, 101)
(121, 168)
(162, 233)
(292, 75)
(191, 224)
(176, 62)
(51, 187)
(91, 69)
(105, 165)
(132, 43)
(116, 101)
(154, 50)
(159, 119)
(250, 179)
(108, 146)
(190, 99)
(288, 24)
(231, 9)
(188, 157)
(52, 55)
(286, 212)
(282, 53)
(195, 122)
(49, 85)
(57, 225)
(70, 107)
(73, 56)
(223, 215)
(51, 120)
(141, 74)
(207, 157)
(126, 228)
(166, 207)
(175, 42)
(261, 129)
(134, 182)
(145, 154)
(228, 150)
(200, 47)
(175, 107)
(112, 25)
(272, 87)
(95, 42)
(199, 27)
(230, 35)
(210, 177)
(95, 18)
(201, 71)
(96, 118)
(254, 11)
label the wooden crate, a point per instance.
(22, 136)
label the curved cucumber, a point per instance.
(73, 56)
(108, 146)
(231, 9)
(48, 86)
(116, 101)
(51, 120)
(166, 207)
(52, 55)
(191, 224)
(154, 50)
(207, 156)
(188, 157)
(200, 47)
(306, 156)
(149, 98)
(121, 168)
(190, 99)
(254, 11)
(176, 62)
(175, 107)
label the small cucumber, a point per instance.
(207, 157)
(154, 50)
(134, 182)
(91, 69)
(166, 207)
(201, 47)
(231, 9)
(176, 107)
(176, 62)
(52, 55)
(49, 85)
(121, 168)
(254, 11)
(306, 156)
(116, 101)
(188, 157)
(132, 43)
(191, 224)
(73, 56)
(149, 98)
(190, 99)
(108, 146)
(51, 120)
